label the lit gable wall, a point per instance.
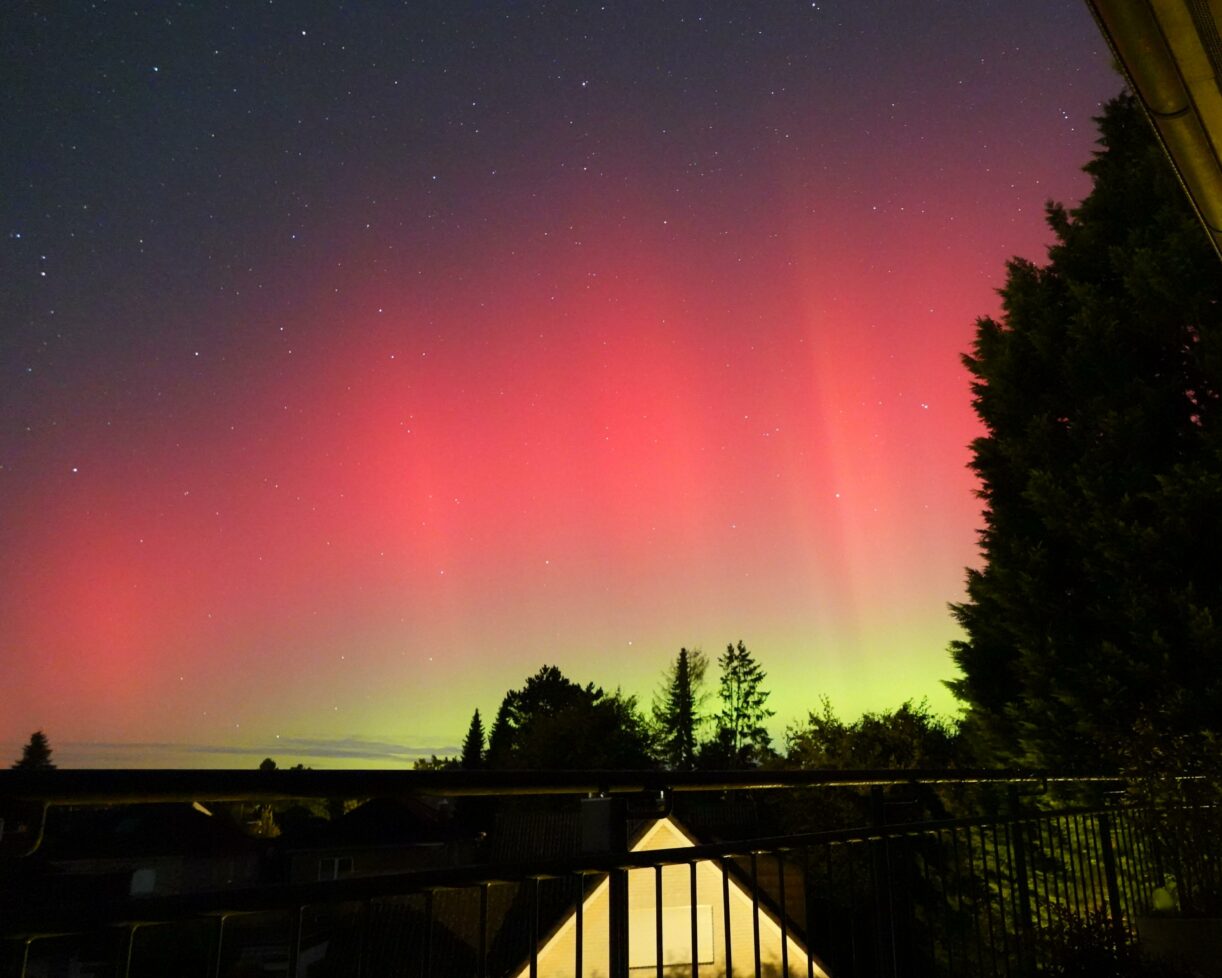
(557, 953)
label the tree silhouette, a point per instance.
(36, 755)
(676, 710)
(435, 763)
(1099, 602)
(473, 745)
(741, 737)
(500, 737)
(909, 737)
(553, 722)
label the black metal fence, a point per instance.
(988, 895)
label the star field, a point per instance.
(357, 359)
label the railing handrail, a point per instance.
(273, 896)
(98, 786)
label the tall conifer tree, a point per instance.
(741, 735)
(1097, 607)
(676, 710)
(35, 755)
(473, 745)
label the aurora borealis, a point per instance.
(358, 359)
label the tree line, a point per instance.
(554, 722)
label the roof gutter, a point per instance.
(1171, 53)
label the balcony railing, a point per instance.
(994, 892)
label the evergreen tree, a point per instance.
(553, 722)
(1098, 605)
(36, 755)
(741, 737)
(676, 710)
(473, 745)
(500, 737)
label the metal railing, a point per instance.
(985, 894)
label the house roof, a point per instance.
(139, 830)
(380, 822)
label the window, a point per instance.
(144, 881)
(334, 867)
(676, 936)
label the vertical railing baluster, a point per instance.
(1070, 838)
(126, 940)
(948, 909)
(1139, 844)
(125, 960)
(854, 955)
(911, 870)
(879, 928)
(220, 940)
(1053, 876)
(988, 897)
(975, 888)
(1064, 878)
(483, 931)
(725, 909)
(1024, 931)
(926, 891)
(889, 881)
(617, 891)
(1104, 820)
(295, 942)
(1124, 862)
(780, 877)
(1145, 871)
(1116, 911)
(580, 934)
(1157, 856)
(1054, 882)
(966, 925)
(1100, 860)
(533, 908)
(808, 908)
(1135, 891)
(1042, 857)
(880, 884)
(363, 925)
(1098, 889)
(755, 914)
(695, 922)
(1006, 952)
(834, 949)
(657, 918)
(25, 956)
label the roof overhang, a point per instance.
(1171, 51)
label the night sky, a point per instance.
(357, 359)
